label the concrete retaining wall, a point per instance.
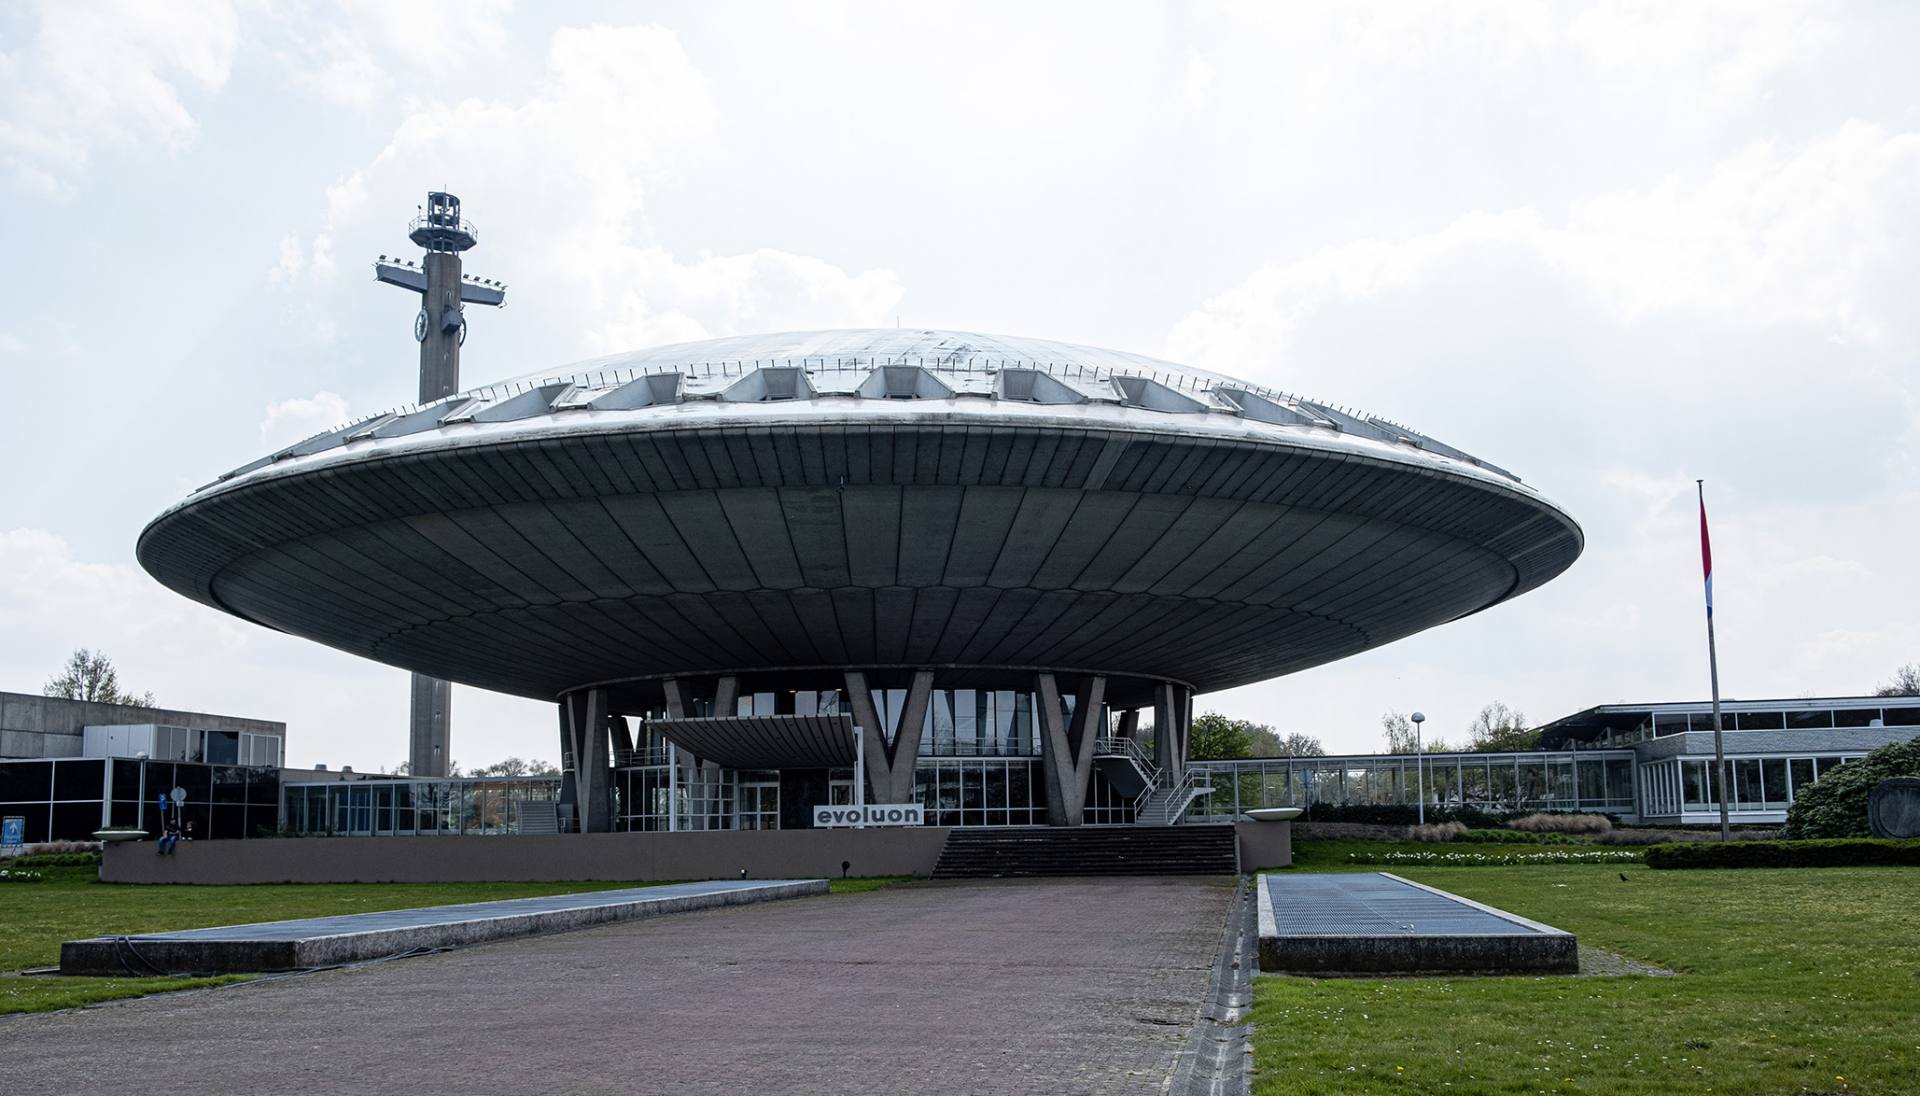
(1264, 845)
(541, 858)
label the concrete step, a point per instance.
(1105, 850)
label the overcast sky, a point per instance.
(1610, 248)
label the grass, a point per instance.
(1791, 981)
(71, 904)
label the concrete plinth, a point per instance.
(1378, 923)
(328, 941)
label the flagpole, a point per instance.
(1713, 669)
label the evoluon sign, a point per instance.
(873, 814)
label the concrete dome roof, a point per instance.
(883, 498)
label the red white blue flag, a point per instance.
(1706, 552)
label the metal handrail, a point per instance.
(1114, 746)
(1188, 782)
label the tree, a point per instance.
(1297, 744)
(518, 766)
(1214, 737)
(91, 676)
(1399, 732)
(1500, 729)
(1906, 682)
(1403, 739)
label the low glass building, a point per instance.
(1641, 763)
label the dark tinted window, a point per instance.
(263, 786)
(1801, 721)
(1903, 717)
(1761, 721)
(1855, 717)
(75, 821)
(229, 784)
(223, 747)
(1703, 721)
(35, 815)
(79, 780)
(126, 780)
(25, 781)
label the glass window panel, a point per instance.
(1746, 786)
(1801, 721)
(1761, 721)
(26, 781)
(1774, 781)
(1855, 717)
(1802, 770)
(80, 780)
(223, 747)
(1902, 717)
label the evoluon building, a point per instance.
(974, 566)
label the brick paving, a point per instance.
(1030, 986)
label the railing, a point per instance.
(1178, 793)
(641, 759)
(1110, 746)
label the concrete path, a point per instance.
(1031, 986)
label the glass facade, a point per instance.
(1682, 786)
(368, 808)
(67, 799)
(1496, 782)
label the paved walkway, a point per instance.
(1032, 986)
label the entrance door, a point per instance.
(759, 805)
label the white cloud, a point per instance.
(562, 177)
(348, 51)
(12, 344)
(1817, 236)
(107, 73)
(291, 420)
(293, 259)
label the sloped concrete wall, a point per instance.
(769, 854)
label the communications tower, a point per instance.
(440, 327)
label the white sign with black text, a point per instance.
(873, 814)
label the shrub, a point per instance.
(1399, 814)
(1436, 831)
(1825, 853)
(54, 860)
(1499, 858)
(1562, 823)
(1836, 805)
(1501, 837)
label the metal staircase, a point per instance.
(1130, 770)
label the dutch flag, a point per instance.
(1706, 552)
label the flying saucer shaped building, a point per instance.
(782, 552)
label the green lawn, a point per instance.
(1791, 981)
(70, 904)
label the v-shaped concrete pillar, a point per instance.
(1066, 748)
(1172, 719)
(587, 734)
(890, 767)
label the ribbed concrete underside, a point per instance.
(541, 565)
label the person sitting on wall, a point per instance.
(169, 838)
(188, 833)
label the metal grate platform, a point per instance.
(1377, 923)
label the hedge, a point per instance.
(1838, 852)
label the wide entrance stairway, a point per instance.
(1089, 850)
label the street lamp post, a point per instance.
(1419, 768)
